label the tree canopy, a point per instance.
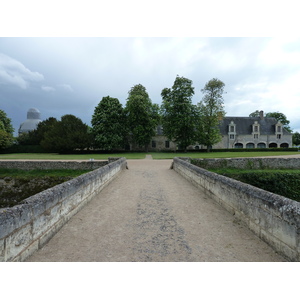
(142, 116)
(36, 136)
(280, 117)
(296, 138)
(109, 124)
(66, 135)
(179, 115)
(277, 115)
(211, 113)
(6, 131)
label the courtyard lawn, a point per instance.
(55, 156)
(171, 155)
(138, 155)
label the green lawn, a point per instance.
(219, 154)
(155, 155)
(45, 156)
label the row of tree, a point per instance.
(114, 127)
(183, 122)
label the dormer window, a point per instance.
(232, 126)
(255, 130)
(278, 128)
(232, 130)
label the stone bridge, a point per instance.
(150, 213)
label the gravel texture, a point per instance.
(149, 213)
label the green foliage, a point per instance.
(5, 139)
(35, 137)
(211, 113)
(17, 173)
(21, 184)
(142, 116)
(281, 118)
(296, 138)
(282, 182)
(6, 131)
(179, 115)
(66, 135)
(255, 114)
(109, 124)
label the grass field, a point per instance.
(219, 154)
(16, 173)
(155, 155)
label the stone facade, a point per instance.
(238, 132)
(159, 142)
(253, 132)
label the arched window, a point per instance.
(249, 145)
(272, 145)
(261, 145)
(284, 145)
(238, 145)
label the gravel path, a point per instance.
(149, 213)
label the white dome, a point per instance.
(33, 113)
(33, 119)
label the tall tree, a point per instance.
(6, 131)
(35, 137)
(142, 116)
(277, 115)
(179, 115)
(296, 138)
(211, 113)
(67, 135)
(280, 117)
(109, 124)
(255, 114)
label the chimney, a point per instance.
(261, 114)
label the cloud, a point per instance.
(66, 87)
(47, 88)
(13, 72)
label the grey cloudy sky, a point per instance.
(70, 75)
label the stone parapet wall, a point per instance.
(27, 227)
(50, 164)
(249, 163)
(275, 219)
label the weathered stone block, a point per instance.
(274, 218)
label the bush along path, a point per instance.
(17, 185)
(281, 182)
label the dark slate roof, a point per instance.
(244, 125)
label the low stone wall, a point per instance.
(26, 228)
(50, 164)
(249, 163)
(275, 219)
